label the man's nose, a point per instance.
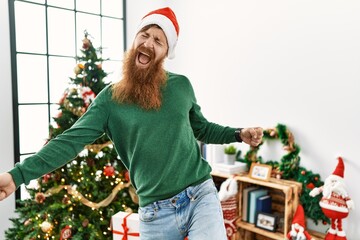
(149, 43)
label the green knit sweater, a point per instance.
(158, 147)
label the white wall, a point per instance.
(266, 62)
(7, 207)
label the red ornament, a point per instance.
(65, 233)
(46, 178)
(109, 171)
(310, 186)
(316, 178)
(127, 176)
(303, 172)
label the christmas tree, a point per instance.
(77, 200)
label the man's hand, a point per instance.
(252, 136)
(7, 185)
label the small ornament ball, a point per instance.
(109, 171)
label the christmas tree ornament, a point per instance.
(46, 178)
(109, 171)
(46, 226)
(65, 233)
(66, 200)
(28, 222)
(298, 226)
(310, 186)
(40, 197)
(86, 42)
(85, 223)
(127, 176)
(335, 201)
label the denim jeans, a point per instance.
(195, 212)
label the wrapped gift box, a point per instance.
(125, 226)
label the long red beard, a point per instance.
(140, 86)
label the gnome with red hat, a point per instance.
(298, 227)
(335, 202)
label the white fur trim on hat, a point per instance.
(335, 177)
(167, 26)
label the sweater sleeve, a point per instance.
(205, 131)
(65, 146)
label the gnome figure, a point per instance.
(335, 202)
(298, 227)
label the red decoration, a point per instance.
(65, 233)
(335, 202)
(227, 195)
(46, 178)
(109, 171)
(126, 230)
(303, 172)
(127, 176)
(310, 186)
(298, 226)
(88, 95)
(229, 208)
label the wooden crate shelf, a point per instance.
(287, 191)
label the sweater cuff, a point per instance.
(17, 176)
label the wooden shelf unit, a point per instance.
(290, 191)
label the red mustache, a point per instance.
(146, 50)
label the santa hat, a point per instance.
(166, 19)
(338, 173)
(299, 216)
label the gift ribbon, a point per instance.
(126, 230)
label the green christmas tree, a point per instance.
(77, 200)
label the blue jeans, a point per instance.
(195, 212)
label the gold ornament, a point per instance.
(40, 197)
(46, 226)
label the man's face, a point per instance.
(151, 46)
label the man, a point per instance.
(152, 117)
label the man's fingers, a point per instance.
(2, 195)
(256, 133)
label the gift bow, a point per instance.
(126, 230)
